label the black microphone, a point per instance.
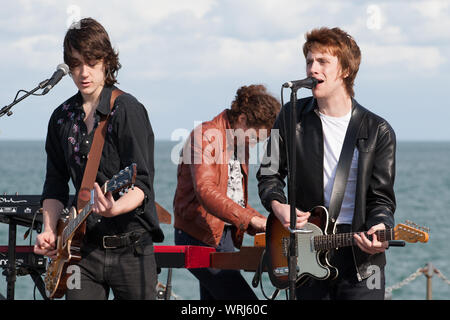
(61, 70)
(309, 83)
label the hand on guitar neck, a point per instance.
(371, 246)
(106, 206)
(283, 213)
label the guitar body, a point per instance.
(313, 246)
(70, 233)
(275, 258)
(310, 263)
(67, 254)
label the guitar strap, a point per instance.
(95, 153)
(344, 163)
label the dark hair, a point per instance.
(91, 40)
(340, 44)
(260, 107)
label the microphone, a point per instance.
(61, 70)
(309, 83)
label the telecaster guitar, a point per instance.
(314, 244)
(70, 235)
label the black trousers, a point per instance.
(346, 286)
(218, 284)
(129, 272)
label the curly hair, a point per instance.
(91, 40)
(259, 106)
(340, 44)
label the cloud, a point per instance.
(432, 9)
(209, 47)
(169, 36)
(414, 59)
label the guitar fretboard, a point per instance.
(76, 223)
(330, 241)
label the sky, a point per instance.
(184, 60)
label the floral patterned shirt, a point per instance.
(129, 139)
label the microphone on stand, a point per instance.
(61, 70)
(309, 83)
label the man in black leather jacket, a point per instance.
(333, 58)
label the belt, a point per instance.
(119, 241)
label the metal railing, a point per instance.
(428, 271)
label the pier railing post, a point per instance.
(428, 272)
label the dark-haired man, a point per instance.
(333, 58)
(117, 250)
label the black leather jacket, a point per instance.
(375, 199)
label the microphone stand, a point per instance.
(292, 262)
(293, 247)
(7, 109)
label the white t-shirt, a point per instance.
(334, 129)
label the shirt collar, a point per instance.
(103, 105)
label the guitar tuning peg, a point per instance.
(121, 193)
(132, 187)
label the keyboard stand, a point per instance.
(11, 270)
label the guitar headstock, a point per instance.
(122, 180)
(411, 232)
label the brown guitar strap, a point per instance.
(94, 156)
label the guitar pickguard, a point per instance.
(309, 262)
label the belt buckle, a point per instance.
(104, 244)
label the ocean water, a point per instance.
(423, 195)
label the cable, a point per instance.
(26, 92)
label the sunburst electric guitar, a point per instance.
(313, 245)
(70, 235)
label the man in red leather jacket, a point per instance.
(210, 204)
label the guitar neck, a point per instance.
(330, 241)
(74, 224)
(120, 181)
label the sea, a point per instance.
(422, 189)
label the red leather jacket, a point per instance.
(201, 205)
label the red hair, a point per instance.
(340, 44)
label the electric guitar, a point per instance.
(313, 245)
(70, 232)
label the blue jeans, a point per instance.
(218, 284)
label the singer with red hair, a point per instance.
(333, 126)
